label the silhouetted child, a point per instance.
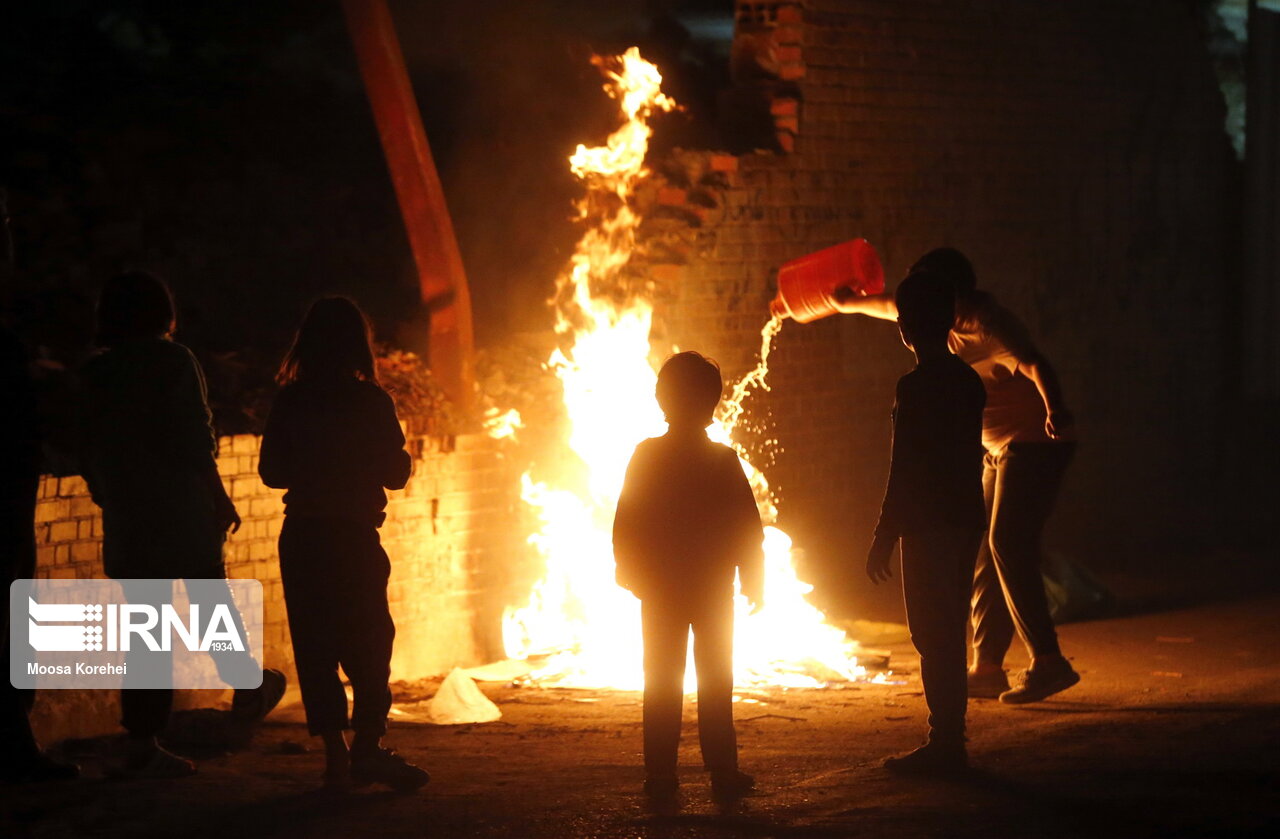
(1029, 436)
(20, 436)
(933, 505)
(333, 441)
(686, 521)
(147, 451)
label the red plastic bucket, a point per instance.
(807, 285)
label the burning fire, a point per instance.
(582, 629)
(502, 424)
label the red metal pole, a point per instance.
(441, 277)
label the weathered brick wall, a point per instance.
(1075, 152)
(453, 536)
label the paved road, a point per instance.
(1174, 731)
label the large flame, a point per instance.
(578, 624)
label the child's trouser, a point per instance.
(144, 712)
(937, 572)
(666, 624)
(335, 589)
(1020, 485)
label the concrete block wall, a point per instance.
(1075, 152)
(453, 536)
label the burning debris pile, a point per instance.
(578, 628)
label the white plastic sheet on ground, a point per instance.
(459, 701)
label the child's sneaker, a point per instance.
(662, 792)
(731, 783)
(933, 759)
(384, 766)
(1039, 682)
(251, 705)
(337, 773)
(153, 764)
(987, 683)
(661, 785)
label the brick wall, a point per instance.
(453, 536)
(1075, 152)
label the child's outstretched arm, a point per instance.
(880, 306)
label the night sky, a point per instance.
(229, 148)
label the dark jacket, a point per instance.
(146, 448)
(935, 478)
(334, 445)
(19, 459)
(686, 521)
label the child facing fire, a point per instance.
(933, 507)
(333, 441)
(686, 521)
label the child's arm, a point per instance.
(1058, 422)
(880, 306)
(628, 528)
(395, 463)
(191, 423)
(879, 555)
(194, 440)
(1010, 332)
(274, 456)
(749, 533)
(892, 508)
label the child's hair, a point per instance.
(133, 306)
(689, 387)
(954, 267)
(333, 342)
(926, 303)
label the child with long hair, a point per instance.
(333, 441)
